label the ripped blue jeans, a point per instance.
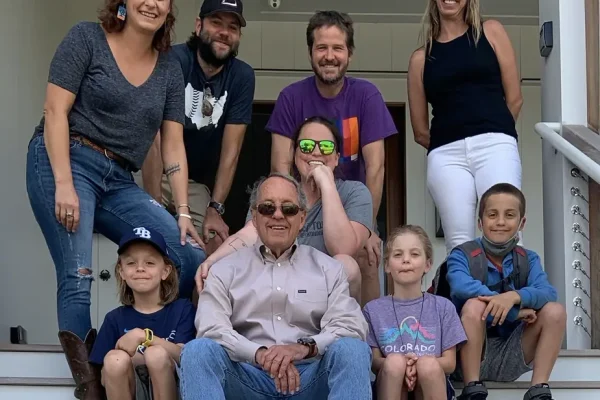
(111, 203)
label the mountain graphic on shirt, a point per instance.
(409, 326)
(193, 107)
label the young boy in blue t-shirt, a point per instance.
(140, 342)
(509, 328)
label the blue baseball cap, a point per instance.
(142, 234)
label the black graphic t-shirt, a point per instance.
(210, 104)
(174, 323)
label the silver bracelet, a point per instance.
(188, 216)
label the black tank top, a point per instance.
(463, 84)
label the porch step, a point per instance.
(33, 361)
(48, 361)
(573, 365)
(561, 390)
(62, 389)
(37, 388)
(31, 372)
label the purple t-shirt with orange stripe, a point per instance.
(358, 111)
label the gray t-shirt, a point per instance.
(426, 326)
(108, 109)
(357, 203)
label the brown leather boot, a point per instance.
(88, 385)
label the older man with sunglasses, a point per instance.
(276, 318)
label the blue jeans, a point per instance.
(111, 203)
(207, 372)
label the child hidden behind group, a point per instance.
(511, 322)
(507, 326)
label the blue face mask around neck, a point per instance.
(501, 249)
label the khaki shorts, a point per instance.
(198, 198)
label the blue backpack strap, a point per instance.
(477, 260)
(520, 267)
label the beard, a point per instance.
(208, 53)
(329, 79)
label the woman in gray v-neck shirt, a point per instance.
(111, 87)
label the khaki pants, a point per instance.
(198, 198)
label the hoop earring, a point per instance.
(122, 12)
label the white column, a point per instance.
(564, 100)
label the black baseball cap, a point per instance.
(142, 234)
(230, 6)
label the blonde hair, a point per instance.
(169, 288)
(413, 230)
(431, 25)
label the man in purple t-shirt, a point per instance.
(355, 106)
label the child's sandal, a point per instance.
(474, 391)
(541, 391)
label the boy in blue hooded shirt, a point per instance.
(509, 331)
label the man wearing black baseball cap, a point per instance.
(228, 6)
(219, 91)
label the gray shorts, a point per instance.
(143, 384)
(503, 359)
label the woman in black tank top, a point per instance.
(467, 71)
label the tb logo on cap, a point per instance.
(142, 232)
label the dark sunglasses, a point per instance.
(307, 146)
(268, 209)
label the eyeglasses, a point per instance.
(307, 146)
(268, 209)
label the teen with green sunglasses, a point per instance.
(340, 212)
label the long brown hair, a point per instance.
(169, 288)
(162, 38)
(431, 25)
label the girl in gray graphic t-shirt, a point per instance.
(413, 335)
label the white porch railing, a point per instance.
(550, 131)
(575, 275)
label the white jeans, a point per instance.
(460, 172)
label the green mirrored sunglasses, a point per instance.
(307, 146)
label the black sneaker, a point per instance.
(475, 390)
(541, 391)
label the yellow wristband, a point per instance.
(149, 337)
